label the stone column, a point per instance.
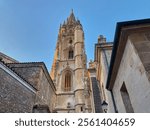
(79, 70)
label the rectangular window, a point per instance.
(70, 56)
(126, 99)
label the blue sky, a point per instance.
(29, 28)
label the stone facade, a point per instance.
(36, 74)
(15, 97)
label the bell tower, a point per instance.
(69, 70)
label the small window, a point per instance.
(126, 99)
(81, 109)
(70, 41)
(70, 56)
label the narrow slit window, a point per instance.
(126, 99)
(67, 82)
(70, 56)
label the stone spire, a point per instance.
(71, 19)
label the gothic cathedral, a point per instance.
(69, 70)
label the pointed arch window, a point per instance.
(70, 55)
(67, 86)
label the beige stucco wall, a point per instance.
(132, 72)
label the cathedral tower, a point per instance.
(69, 70)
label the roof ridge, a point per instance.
(27, 62)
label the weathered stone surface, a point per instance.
(37, 75)
(14, 96)
(29, 72)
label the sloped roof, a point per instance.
(9, 59)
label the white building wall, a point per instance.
(132, 72)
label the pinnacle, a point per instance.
(71, 17)
(71, 20)
(71, 11)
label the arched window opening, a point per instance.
(67, 82)
(70, 56)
